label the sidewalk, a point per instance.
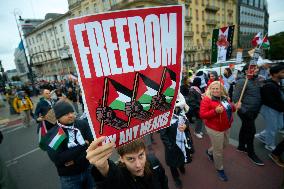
(242, 173)
(7, 120)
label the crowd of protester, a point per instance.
(205, 105)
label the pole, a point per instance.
(24, 49)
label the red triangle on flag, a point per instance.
(141, 88)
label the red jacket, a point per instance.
(217, 122)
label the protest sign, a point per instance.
(129, 68)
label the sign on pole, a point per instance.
(129, 68)
(239, 56)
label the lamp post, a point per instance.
(30, 74)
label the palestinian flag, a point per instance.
(169, 85)
(257, 39)
(41, 135)
(265, 43)
(146, 90)
(118, 95)
(57, 139)
(222, 43)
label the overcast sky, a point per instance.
(9, 37)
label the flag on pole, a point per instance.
(21, 45)
(222, 43)
(257, 39)
(41, 135)
(265, 43)
(57, 139)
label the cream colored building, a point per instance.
(48, 49)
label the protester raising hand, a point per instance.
(98, 154)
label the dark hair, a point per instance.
(185, 80)
(276, 69)
(196, 82)
(229, 71)
(132, 147)
(215, 75)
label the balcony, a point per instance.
(212, 8)
(188, 18)
(204, 34)
(211, 22)
(190, 49)
(188, 34)
(230, 23)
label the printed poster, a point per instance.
(129, 68)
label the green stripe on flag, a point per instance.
(117, 105)
(145, 99)
(169, 92)
(56, 141)
(214, 53)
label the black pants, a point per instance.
(247, 131)
(175, 173)
(279, 149)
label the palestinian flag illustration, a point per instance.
(118, 95)
(169, 85)
(112, 111)
(146, 90)
(57, 139)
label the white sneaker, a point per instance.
(260, 137)
(270, 147)
(198, 135)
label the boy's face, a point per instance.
(135, 162)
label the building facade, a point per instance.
(253, 19)
(48, 50)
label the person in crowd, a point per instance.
(72, 96)
(177, 141)
(204, 80)
(68, 152)
(229, 81)
(217, 112)
(251, 103)
(195, 96)
(272, 108)
(23, 104)
(10, 99)
(134, 169)
(44, 105)
(81, 100)
(263, 74)
(275, 155)
(213, 76)
(184, 88)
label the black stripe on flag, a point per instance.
(150, 82)
(120, 88)
(172, 74)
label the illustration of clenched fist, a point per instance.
(133, 108)
(105, 114)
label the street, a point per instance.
(31, 168)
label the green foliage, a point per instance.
(276, 46)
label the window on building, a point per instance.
(51, 33)
(197, 28)
(202, 3)
(58, 42)
(190, 12)
(196, 14)
(203, 28)
(196, 2)
(53, 44)
(87, 10)
(61, 27)
(55, 30)
(30, 41)
(95, 7)
(63, 39)
(203, 16)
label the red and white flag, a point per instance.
(257, 40)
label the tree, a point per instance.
(15, 78)
(276, 46)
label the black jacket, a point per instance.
(194, 100)
(272, 96)
(173, 154)
(42, 108)
(120, 178)
(251, 101)
(77, 154)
